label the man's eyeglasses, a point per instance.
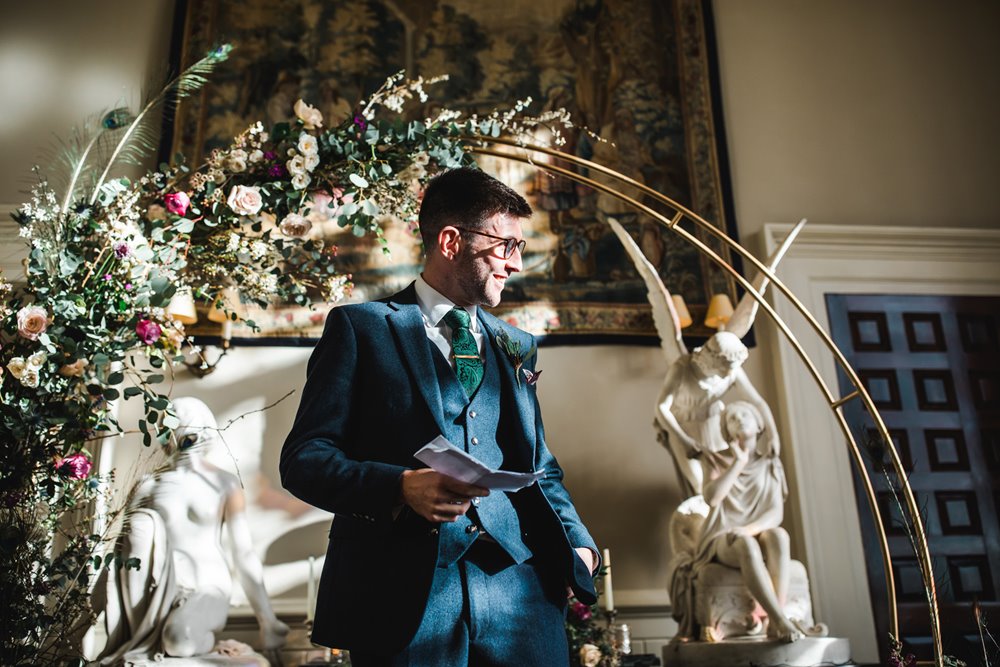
(509, 243)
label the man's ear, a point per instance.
(449, 241)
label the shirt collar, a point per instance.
(434, 305)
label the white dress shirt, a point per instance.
(434, 306)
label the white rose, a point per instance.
(29, 378)
(301, 181)
(295, 225)
(308, 144)
(245, 200)
(255, 156)
(16, 367)
(311, 118)
(296, 166)
(218, 176)
(237, 161)
(311, 162)
(590, 655)
(37, 360)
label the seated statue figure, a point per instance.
(178, 598)
(737, 523)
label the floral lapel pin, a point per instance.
(512, 348)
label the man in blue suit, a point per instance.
(422, 569)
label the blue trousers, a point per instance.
(486, 611)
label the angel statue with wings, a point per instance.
(730, 472)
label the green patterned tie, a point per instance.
(468, 363)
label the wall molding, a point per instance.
(850, 259)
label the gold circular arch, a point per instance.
(523, 152)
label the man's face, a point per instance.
(482, 271)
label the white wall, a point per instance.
(862, 112)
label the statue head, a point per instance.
(741, 418)
(721, 355)
(198, 428)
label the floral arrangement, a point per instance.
(590, 642)
(90, 324)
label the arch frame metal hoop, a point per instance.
(478, 145)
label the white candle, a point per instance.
(609, 595)
(311, 590)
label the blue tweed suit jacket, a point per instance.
(371, 400)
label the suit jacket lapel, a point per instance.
(525, 406)
(407, 325)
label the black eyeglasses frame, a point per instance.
(510, 243)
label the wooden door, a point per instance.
(932, 367)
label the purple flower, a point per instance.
(128, 286)
(149, 331)
(122, 250)
(270, 156)
(75, 467)
(277, 171)
(360, 121)
(581, 611)
(107, 277)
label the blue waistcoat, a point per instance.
(473, 424)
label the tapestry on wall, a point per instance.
(637, 72)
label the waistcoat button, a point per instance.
(471, 528)
(472, 414)
(475, 440)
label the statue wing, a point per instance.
(746, 310)
(668, 324)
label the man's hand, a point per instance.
(437, 497)
(588, 557)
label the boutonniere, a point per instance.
(512, 348)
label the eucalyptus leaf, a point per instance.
(358, 180)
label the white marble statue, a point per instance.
(727, 462)
(690, 403)
(178, 599)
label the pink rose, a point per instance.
(295, 225)
(32, 321)
(149, 331)
(245, 200)
(75, 467)
(177, 202)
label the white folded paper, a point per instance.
(447, 459)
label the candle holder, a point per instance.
(619, 635)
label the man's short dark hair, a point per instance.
(465, 197)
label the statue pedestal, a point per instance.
(724, 608)
(755, 652)
(208, 660)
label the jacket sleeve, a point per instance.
(552, 484)
(319, 464)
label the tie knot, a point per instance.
(457, 318)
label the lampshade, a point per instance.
(230, 302)
(181, 307)
(682, 311)
(720, 309)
